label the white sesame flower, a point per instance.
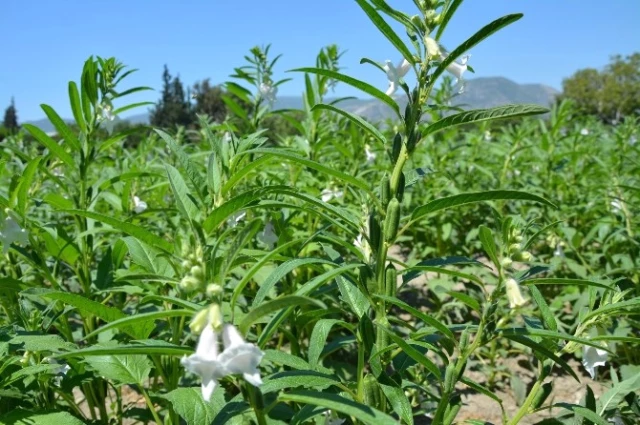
(361, 243)
(107, 113)
(394, 74)
(330, 420)
(236, 218)
(138, 205)
(593, 357)
(268, 235)
(457, 69)
(268, 93)
(371, 157)
(238, 357)
(487, 136)
(559, 252)
(513, 294)
(632, 141)
(12, 232)
(329, 194)
(616, 206)
(584, 132)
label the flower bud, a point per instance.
(215, 316)
(513, 248)
(506, 262)
(213, 289)
(433, 50)
(197, 272)
(513, 294)
(199, 321)
(189, 283)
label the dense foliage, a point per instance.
(346, 273)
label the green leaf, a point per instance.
(76, 106)
(93, 308)
(419, 315)
(483, 33)
(26, 183)
(359, 121)
(160, 348)
(445, 17)
(50, 144)
(318, 339)
(185, 203)
(583, 412)
(413, 353)
(361, 85)
(190, 406)
(542, 350)
(386, 30)
(24, 417)
(62, 127)
(353, 296)
(148, 257)
(547, 315)
(39, 343)
(473, 197)
(564, 281)
(478, 115)
(192, 172)
(613, 396)
(488, 243)
(297, 378)
(141, 319)
(398, 400)
(273, 306)
(280, 272)
(285, 359)
(128, 228)
(365, 414)
(131, 369)
(314, 165)
(619, 307)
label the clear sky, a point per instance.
(46, 41)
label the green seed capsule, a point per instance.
(374, 232)
(449, 378)
(391, 275)
(385, 191)
(452, 410)
(397, 146)
(392, 220)
(542, 395)
(401, 184)
(371, 391)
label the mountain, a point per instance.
(479, 93)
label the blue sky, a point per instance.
(47, 42)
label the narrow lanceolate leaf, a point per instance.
(419, 315)
(565, 281)
(50, 144)
(446, 17)
(160, 348)
(318, 339)
(128, 228)
(366, 414)
(583, 412)
(488, 243)
(478, 115)
(192, 172)
(128, 369)
(413, 353)
(470, 198)
(314, 165)
(61, 126)
(386, 30)
(273, 306)
(185, 203)
(483, 33)
(142, 319)
(26, 181)
(361, 85)
(547, 315)
(359, 121)
(76, 106)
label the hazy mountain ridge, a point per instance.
(479, 93)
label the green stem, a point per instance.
(527, 403)
(147, 399)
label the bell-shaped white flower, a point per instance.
(268, 93)
(268, 235)
(211, 365)
(457, 69)
(12, 232)
(593, 357)
(513, 294)
(370, 155)
(329, 194)
(487, 136)
(584, 132)
(394, 74)
(138, 205)
(236, 218)
(433, 49)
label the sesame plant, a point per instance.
(352, 273)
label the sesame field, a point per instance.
(444, 266)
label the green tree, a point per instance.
(209, 100)
(10, 122)
(174, 107)
(610, 94)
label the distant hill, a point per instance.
(479, 93)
